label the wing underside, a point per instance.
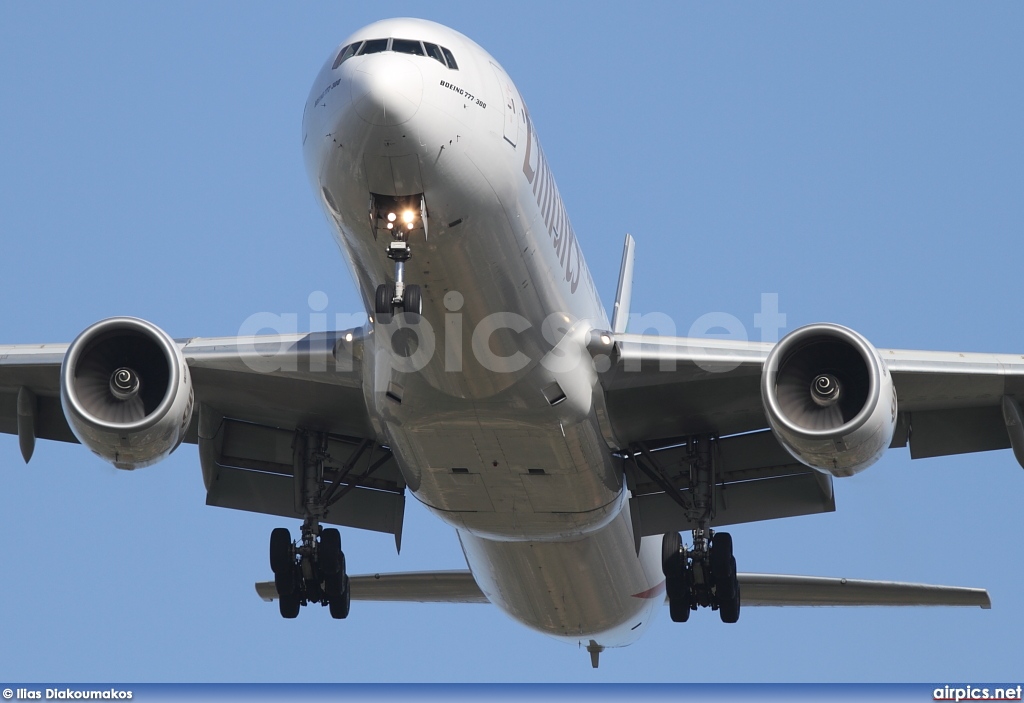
(253, 396)
(664, 393)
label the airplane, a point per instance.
(564, 450)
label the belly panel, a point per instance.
(592, 588)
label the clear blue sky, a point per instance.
(863, 161)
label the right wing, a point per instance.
(409, 587)
(253, 394)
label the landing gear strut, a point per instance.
(311, 570)
(703, 576)
(400, 294)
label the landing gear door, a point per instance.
(511, 100)
(423, 216)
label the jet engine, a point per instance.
(126, 392)
(829, 399)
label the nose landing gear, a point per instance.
(398, 294)
(399, 218)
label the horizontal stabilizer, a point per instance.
(410, 587)
(755, 590)
(781, 589)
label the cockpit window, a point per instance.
(401, 46)
(434, 52)
(407, 46)
(345, 53)
(451, 59)
(373, 46)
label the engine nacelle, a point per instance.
(829, 399)
(126, 392)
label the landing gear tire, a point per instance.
(413, 301)
(281, 558)
(384, 304)
(673, 559)
(678, 598)
(285, 583)
(723, 571)
(721, 547)
(677, 586)
(723, 566)
(730, 609)
(341, 599)
(282, 563)
(332, 565)
(332, 560)
(289, 605)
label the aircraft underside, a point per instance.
(570, 455)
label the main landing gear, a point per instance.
(311, 570)
(704, 576)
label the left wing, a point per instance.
(660, 391)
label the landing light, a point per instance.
(391, 217)
(408, 216)
(605, 339)
(390, 226)
(409, 225)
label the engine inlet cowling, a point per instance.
(829, 399)
(126, 392)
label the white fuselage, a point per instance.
(490, 403)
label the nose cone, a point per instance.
(387, 90)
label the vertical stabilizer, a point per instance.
(620, 316)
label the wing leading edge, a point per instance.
(253, 395)
(663, 387)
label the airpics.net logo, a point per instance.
(977, 693)
(271, 342)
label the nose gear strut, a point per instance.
(400, 218)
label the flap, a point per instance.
(757, 480)
(249, 467)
